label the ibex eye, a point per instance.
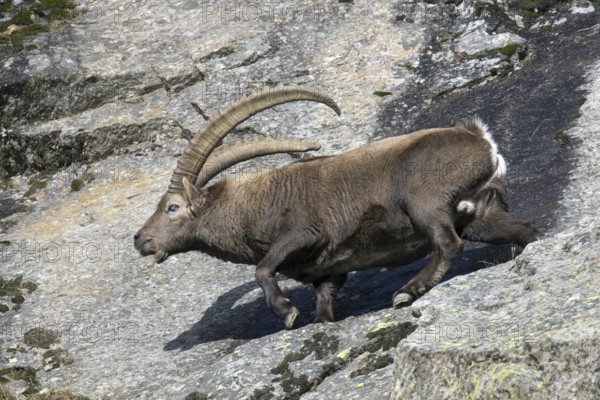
(173, 207)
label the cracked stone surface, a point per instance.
(478, 41)
(535, 335)
(94, 115)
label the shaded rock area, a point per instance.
(96, 107)
(524, 329)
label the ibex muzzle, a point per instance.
(387, 203)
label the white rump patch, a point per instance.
(501, 169)
(466, 207)
(496, 157)
(486, 133)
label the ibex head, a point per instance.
(174, 226)
(171, 229)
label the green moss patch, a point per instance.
(196, 396)
(35, 185)
(18, 299)
(6, 183)
(14, 291)
(372, 363)
(478, 11)
(14, 42)
(55, 358)
(41, 338)
(322, 345)
(6, 7)
(537, 7)
(55, 9)
(57, 395)
(27, 374)
(23, 17)
(562, 138)
(509, 50)
(76, 185)
(382, 93)
(31, 21)
(531, 10)
(388, 336)
(262, 393)
(295, 386)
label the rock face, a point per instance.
(524, 329)
(95, 112)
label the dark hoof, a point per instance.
(402, 300)
(410, 292)
(285, 311)
(415, 289)
(290, 319)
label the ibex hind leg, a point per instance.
(499, 227)
(447, 246)
(325, 291)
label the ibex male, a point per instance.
(387, 203)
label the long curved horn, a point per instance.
(219, 125)
(229, 155)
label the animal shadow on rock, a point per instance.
(365, 291)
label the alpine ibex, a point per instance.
(387, 203)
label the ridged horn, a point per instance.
(218, 126)
(229, 155)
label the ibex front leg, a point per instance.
(265, 277)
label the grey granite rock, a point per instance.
(94, 115)
(525, 329)
(479, 41)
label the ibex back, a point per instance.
(387, 203)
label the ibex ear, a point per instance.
(191, 193)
